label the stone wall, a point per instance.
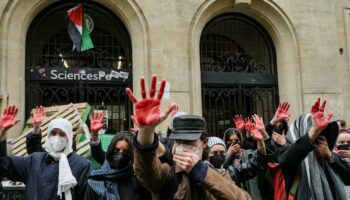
(165, 34)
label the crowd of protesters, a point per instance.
(307, 159)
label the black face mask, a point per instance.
(217, 160)
(120, 160)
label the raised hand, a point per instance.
(38, 115)
(317, 112)
(282, 112)
(259, 123)
(8, 120)
(248, 124)
(96, 123)
(147, 110)
(257, 135)
(239, 122)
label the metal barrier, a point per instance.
(12, 193)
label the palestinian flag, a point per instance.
(78, 29)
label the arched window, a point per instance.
(56, 74)
(238, 70)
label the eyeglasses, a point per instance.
(217, 153)
(233, 143)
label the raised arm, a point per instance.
(14, 168)
(282, 113)
(291, 159)
(96, 124)
(147, 115)
(33, 139)
(258, 132)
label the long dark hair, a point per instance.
(229, 132)
(126, 136)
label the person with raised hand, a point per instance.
(310, 169)
(61, 172)
(248, 142)
(116, 178)
(33, 139)
(190, 178)
(244, 165)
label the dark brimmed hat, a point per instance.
(188, 127)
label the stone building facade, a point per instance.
(305, 45)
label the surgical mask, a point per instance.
(58, 143)
(120, 160)
(217, 160)
(189, 148)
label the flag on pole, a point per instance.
(78, 29)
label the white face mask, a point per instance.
(58, 143)
(190, 148)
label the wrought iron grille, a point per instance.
(221, 104)
(238, 71)
(48, 46)
(114, 99)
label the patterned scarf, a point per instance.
(315, 181)
(104, 181)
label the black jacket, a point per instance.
(130, 188)
(247, 169)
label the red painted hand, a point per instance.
(248, 124)
(8, 119)
(282, 111)
(256, 133)
(259, 123)
(38, 115)
(147, 110)
(239, 122)
(96, 123)
(317, 112)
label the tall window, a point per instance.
(56, 74)
(238, 70)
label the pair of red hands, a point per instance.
(8, 119)
(254, 125)
(258, 124)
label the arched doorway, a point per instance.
(238, 71)
(55, 74)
